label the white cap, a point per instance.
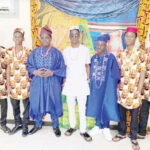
(74, 28)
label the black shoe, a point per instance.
(34, 130)
(86, 136)
(70, 131)
(15, 129)
(25, 131)
(5, 129)
(57, 132)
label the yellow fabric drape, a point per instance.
(143, 19)
(34, 23)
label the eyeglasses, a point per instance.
(74, 35)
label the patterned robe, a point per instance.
(146, 87)
(131, 68)
(19, 81)
(45, 92)
(104, 78)
(3, 90)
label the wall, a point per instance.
(21, 18)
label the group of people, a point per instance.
(104, 86)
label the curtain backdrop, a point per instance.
(94, 9)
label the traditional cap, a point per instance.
(104, 38)
(46, 30)
(74, 28)
(131, 29)
(19, 30)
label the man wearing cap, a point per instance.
(18, 79)
(104, 78)
(132, 62)
(77, 60)
(46, 69)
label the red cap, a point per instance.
(131, 29)
(46, 30)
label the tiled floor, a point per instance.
(46, 140)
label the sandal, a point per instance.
(140, 136)
(118, 137)
(86, 136)
(135, 145)
(70, 131)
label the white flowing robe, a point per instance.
(76, 78)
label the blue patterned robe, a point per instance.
(104, 78)
(45, 92)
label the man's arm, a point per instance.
(141, 81)
(88, 71)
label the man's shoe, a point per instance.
(5, 129)
(95, 131)
(57, 132)
(140, 136)
(34, 130)
(25, 131)
(107, 134)
(70, 131)
(86, 136)
(15, 129)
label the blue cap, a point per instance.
(104, 38)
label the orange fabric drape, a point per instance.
(143, 20)
(34, 24)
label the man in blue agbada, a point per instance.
(104, 78)
(47, 69)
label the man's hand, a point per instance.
(48, 73)
(43, 72)
(39, 72)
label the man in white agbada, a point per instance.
(77, 61)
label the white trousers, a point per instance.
(82, 108)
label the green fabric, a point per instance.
(64, 121)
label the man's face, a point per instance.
(74, 36)
(130, 38)
(18, 38)
(100, 46)
(45, 39)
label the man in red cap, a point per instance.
(46, 69)
(132, 63)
